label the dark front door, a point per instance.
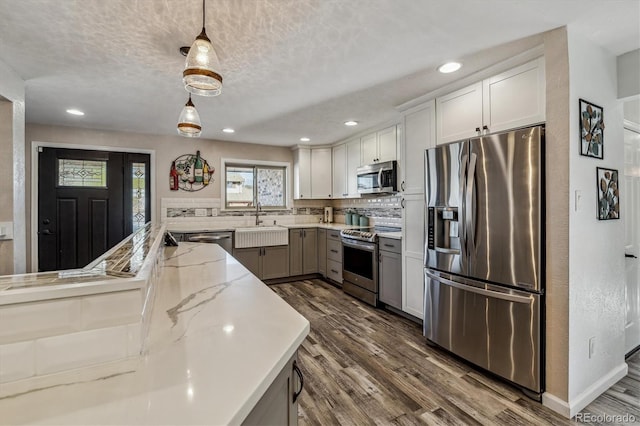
(84, 204)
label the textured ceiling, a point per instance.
(291, 68)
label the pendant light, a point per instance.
(189, 121)
(199, 75)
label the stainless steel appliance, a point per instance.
(223, 238)
(484, 253)
(360, 262)
(378, 178)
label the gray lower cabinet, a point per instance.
(334, 256)
(265, 262)
(278, 405)
(322, 252)
(390, 272)
(303, 251)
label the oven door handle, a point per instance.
(380, 178)
(360, 245)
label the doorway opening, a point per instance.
(631, 212)
(87, 202)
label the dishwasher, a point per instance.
(223, 238)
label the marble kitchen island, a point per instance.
(217, 340)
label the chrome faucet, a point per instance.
(258, 221)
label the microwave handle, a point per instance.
(380, 178)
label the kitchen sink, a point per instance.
(261, 236)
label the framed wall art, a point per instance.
(608, 194)
(591, 130)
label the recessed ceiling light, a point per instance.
(304, 139)
(228, 130)
(350, 123)
(449, 67)
(75, 112)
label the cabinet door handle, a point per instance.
(402, 203)
(333, 251)
(301, 377)
(402, 186)
(486, 129)
(478, 130)
(389, 245)
(344, 195)
(334, 271)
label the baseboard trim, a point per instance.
(556, 404)
(595, 390)
(577, 404)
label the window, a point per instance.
(245, 184)
(82, 173)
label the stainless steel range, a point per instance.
(360, 262)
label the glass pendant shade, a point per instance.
(200, 76)
(189, 121)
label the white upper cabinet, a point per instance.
(369, 149)
(459, 114)
(312, 173)
(387, 142)
(379, 146)
(353, 162)
(302, 173)
(515, 98)
(346, 160)
(339, 153)
(321, 173)
(419, 135)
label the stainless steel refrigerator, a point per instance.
(484, 253)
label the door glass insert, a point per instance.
(139, 195)
(82, 173)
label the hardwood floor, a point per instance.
(369, 366)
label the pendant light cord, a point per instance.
(203, 2)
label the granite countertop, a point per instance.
(218, 337)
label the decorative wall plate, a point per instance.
(193, 172)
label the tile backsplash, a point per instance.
(381, 210)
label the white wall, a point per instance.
(13, 259)
(596, 248)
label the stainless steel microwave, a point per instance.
(378, 178)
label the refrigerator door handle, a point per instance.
(493, 294)
(470, 231)
(462, 214)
